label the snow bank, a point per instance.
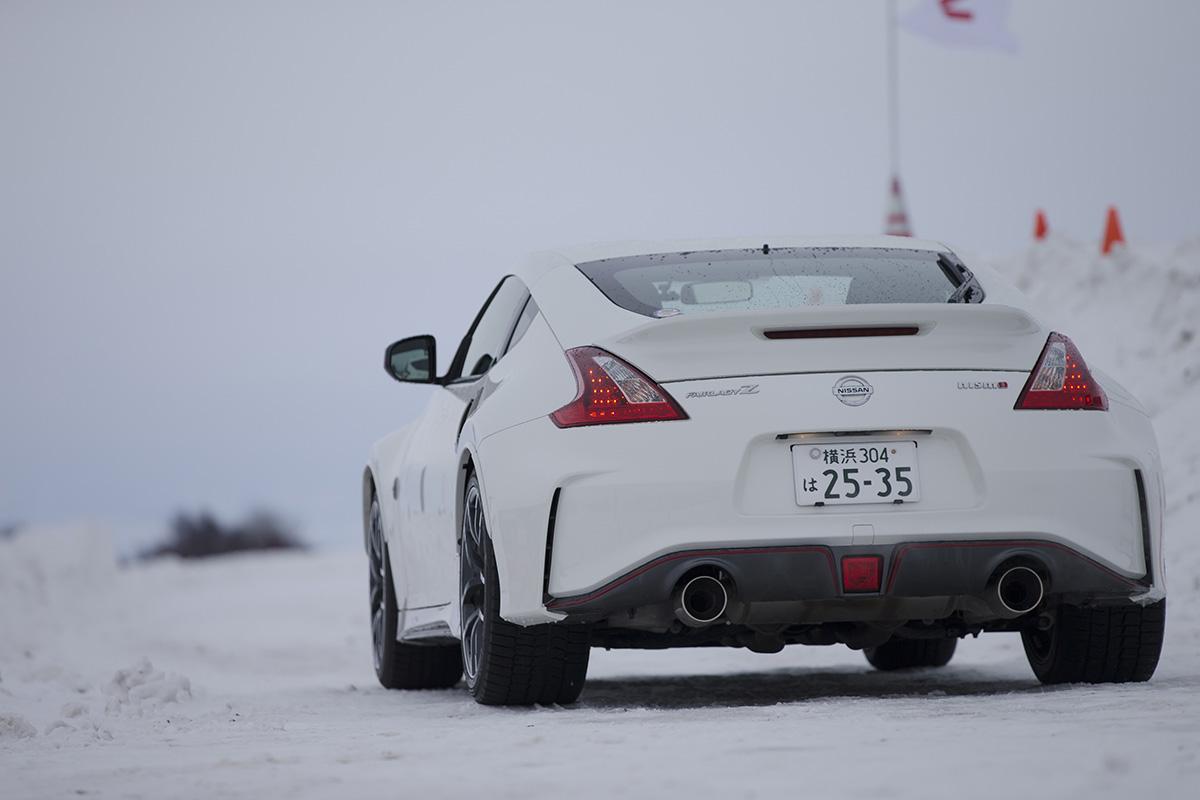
(142, 687)
(64, 604)
(48, 575)
(14, 726)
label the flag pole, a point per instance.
(896, 223)
(893, 77)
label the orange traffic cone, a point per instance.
(1040, 226)
(896, 222)
(1112, 231)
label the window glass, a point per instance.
(526, 319)
(492, 333)
(737, 280)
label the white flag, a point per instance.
(971, 23)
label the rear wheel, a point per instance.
(911, 653)
(397, 665)
(1117, 644)
(507, 664)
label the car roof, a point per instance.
(538, 264)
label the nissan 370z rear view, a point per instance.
(859, 442)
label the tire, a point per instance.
(1117, 644)
(911, 653)
(398, 665)
(507, 664)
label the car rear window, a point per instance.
(742, 280)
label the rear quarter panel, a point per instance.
(530, 382)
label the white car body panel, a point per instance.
(734, 485)
(425, 503)
(631, 493)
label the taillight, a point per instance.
(1061, 380)
(611, 390)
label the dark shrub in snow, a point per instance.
(201, 535)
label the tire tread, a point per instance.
(422, 667)
(528, 665)
(1111, 644)
(412, 666)
(911, 653)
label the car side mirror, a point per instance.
(412, 360)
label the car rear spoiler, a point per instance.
(848, 338)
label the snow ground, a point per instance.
(250, 676)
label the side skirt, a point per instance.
(428, 625)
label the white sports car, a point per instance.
(731, 443)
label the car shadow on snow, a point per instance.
(798, 686)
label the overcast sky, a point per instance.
(214, 216)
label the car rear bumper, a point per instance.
(596, 518)
(769, 581)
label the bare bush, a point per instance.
(201, 535)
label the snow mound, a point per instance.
(47, 575)
(73, 710)
(141, 687)
(14, 726)
(83, 730)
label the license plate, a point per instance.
(867, 472)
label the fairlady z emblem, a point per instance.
(749, 388)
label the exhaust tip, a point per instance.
(701, 601)
(1019, 590)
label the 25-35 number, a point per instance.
(890, 482)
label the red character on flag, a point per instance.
(950, 8)
(969, 23)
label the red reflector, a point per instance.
(861, 573)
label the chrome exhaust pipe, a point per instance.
(700, 601)
(1017, 591)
